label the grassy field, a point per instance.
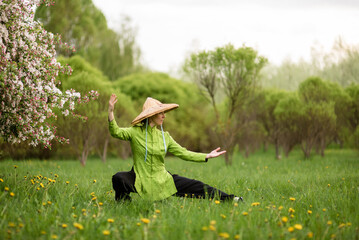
(291, 198)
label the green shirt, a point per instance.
(152, 179)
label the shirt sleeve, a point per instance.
(183, 153)
(121, 133)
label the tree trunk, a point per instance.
(104, 153)
(277, 155)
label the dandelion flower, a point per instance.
(291, 210)
(349, 224)
(237, 236)
(280, 208)
(158, 211)
(212, 222)
(1, 180)
(329, 222)
(212, 228)
(43, 232)
(328, 185)
(324, 209)
(64, 225)
(6, 189)
(53, 236)
(12, 194)
(110, 220)
(217, 202)
(341, 225)
(145, 220)
(94, 181)
(310, 212)
(298, 226)
(204, 228)
(83, 210)
(15, 166)
(78, 226)
(11, 224)
(310, 235)
(100, 203)
(138, 224)
(255, 204)
(245, 213)
(106, 232)
(223, 216)
(332, 236)
(284, 219)
(21, 225)
(94, 198)
(224, 235)
(292, 198)
(42, 185)
(235, 204)
(49, 202)
(67, 182)
(290, 229)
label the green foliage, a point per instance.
(84, 26)
(323, 193)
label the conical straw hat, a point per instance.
(152, 107)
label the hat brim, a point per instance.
(153, 111)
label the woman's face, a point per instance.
(158, 119)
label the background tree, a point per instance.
(84, 26)
(235, 72)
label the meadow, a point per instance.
(291, 198)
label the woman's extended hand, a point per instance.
(112, 102)
(215, 153)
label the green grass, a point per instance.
(328, 187)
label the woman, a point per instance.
(148, 176)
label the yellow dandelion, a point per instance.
(255, 204)
(12, 194)
(53, 236)
(11, 224)
(341, 225)
(292, 198)
(94, 181)
(324, 209)
(292, 216)
(44, 204)
(56, 175)
(73, 207)
(67, 182)
(280, 208)
(235, 204)
(145, 220)
(204, 228)
(217, 202)
(83, 210)
(291, 210)
(157, 211)
(1, 180)
(92, 194)
(298, 226)
(106, 232)
(100, 203)
(78, 226)
(74, 216)
(212, 228)
(310, 235)
(223, 216)
(212, 222)
(138, 224)
(94, 198)
(245, 213)
(42, 185)
(223, 235)
(21, 225)
(349, 224)
(237, 236)
(15, 166)
(64, 225)
(310, 212)
(43, 232)
(284, 219)
(290, 229)
(328, 185)
(76, 185)
(49, 202)
(329, 222)
(110, 220)
(332, 236)
(6, 189)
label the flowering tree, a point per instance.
(28, 73)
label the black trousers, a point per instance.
(124, 183)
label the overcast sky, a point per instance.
(278, 29)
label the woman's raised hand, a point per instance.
(112, 102)
(215, 153)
